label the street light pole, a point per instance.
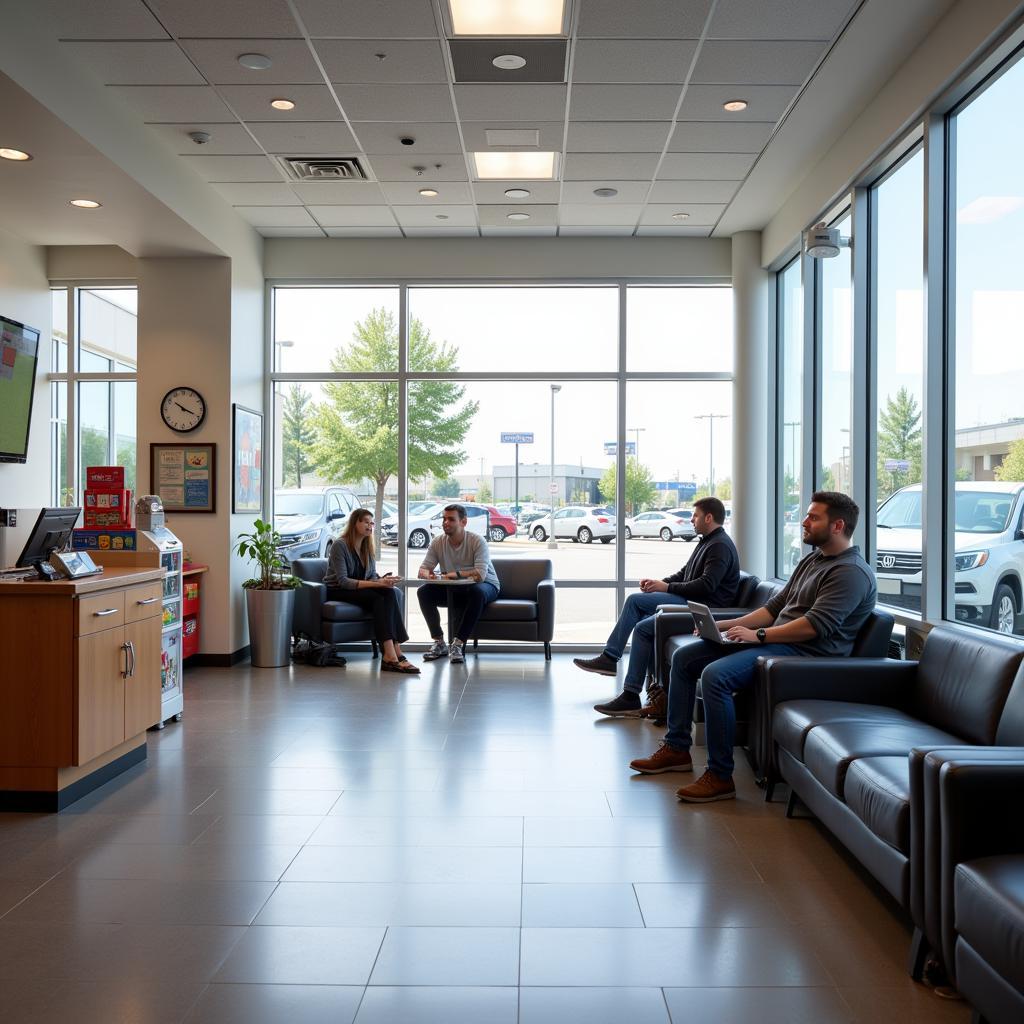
(711, 417)
(552, 543)
(636, 431)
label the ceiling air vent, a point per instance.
(324, 168)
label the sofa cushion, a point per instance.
(829, 748)
(506, 610)
(989, 902)
(794, 719)
(342, 611)
(878, 792)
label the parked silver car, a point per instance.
(577, 523)
(666, 525)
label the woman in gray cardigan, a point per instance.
(352, 577)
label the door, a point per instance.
(102, 664)
(142, 686)
(562, 526)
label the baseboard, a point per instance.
(218, 660)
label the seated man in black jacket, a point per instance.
(711, 576)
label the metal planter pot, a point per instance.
(270, 626)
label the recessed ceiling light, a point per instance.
(680, 216)
(429, 193)
(606, 193)
(517, 193)
(509, 62)
(255, 61)
(515, 165)
(508, 18)
(734, 106)
(518, 216)
(14, 154)
(282, 104)
(85, 204)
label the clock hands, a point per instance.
(185, 408)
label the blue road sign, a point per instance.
(510, 437)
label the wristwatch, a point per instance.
(458, 575)
(762, 635)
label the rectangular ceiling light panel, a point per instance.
(508, 17)
(515, 166)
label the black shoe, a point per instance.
(602, 664)
(626, 705)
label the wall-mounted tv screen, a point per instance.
(19, 350)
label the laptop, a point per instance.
(707, 627)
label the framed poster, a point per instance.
(185, 476)
(247, 460)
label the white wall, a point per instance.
(25, 297)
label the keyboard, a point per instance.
(6, 575)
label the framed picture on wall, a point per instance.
(247, 460)
(184, 475)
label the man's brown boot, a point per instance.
(707, 788)
(665, 759)
(656, 708)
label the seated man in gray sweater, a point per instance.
(819, 612)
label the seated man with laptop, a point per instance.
(818, 613)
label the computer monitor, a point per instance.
(52, 532)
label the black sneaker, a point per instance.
(626, 705)
(602, 664)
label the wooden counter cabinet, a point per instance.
(79, 681)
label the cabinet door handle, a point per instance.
(105, 611)
(131, 652)
(149, 600)
(127, 665)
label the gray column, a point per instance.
(752, 405)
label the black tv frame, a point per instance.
(14, 457)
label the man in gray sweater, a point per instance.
(818, 612)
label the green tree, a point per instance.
(449, 488)
(640, 489)
(357, 423)
(484, 493)
(1012, 467)
(899, 438)
(297, 435)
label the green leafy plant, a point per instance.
(261, 546)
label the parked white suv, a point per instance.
(989, 546)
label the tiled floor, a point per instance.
(328, 845)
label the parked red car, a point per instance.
(501, 525)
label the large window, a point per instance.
(93, 385)
(987, 233)
(507, 399)
(790, 427)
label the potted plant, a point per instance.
(269, 598)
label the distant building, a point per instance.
(572, 483)
(981, 450)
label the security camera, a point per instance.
(200, 138)
(407, 140)
(823, 243)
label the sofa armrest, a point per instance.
(546, 610)
(308, 611)
(676, 620)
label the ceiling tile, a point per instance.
(583, 192)
(252, 102)
(429, 216)
(313, 232)
(305, 138)
(693, 191)
(625, 215)
(402, 168)
(396, 102)
(706, 166)
(112, 19)
(757, 62)
(652, 231)
(540, 216)
(572, 230)
(491, 102)
(439, 232)
(624, 102)
(218, 60)
(227, 19)
(276, 216)
(613, 19)
(549, 134)
(234, 168)
(493, 192)
(364, 232)
(386, 136)
(618, 136)
(779, 19)
(356, 19)
(700, 214)
(720, 137)
(405, 60)
(340, 193)
(135, 63)
(628, 60)
(521, 230)
(613, 166)
(251, 194)
(765, 102)
(407, 193)
(225, 139)
(179, 103)
(353, 216)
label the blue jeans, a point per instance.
(721, 673)
(637, 617)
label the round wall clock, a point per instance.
(183, 409)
